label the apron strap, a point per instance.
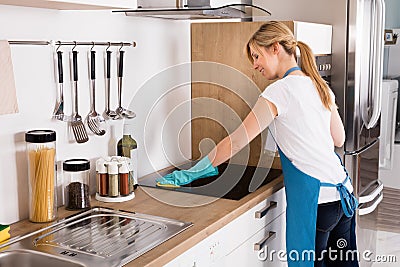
(348, 200)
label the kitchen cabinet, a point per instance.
(72, 4)
(235, 241)
(271, 255)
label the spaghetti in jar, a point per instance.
(41, 153)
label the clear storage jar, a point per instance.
(76, 181)
(41, 154)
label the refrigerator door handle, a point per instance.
(377, 63)
(357, 152)
(368, 210)
(371, 196)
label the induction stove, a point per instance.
(234, 181)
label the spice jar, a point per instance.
(76, 178)
(124, 188)
(41, 153)
(102, 177)
(113, 179)
(113, 184)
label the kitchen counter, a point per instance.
(206, 218)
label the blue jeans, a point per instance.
(333, 236)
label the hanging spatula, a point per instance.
(76, 123)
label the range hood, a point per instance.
(196, 9)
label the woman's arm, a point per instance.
(258, 119)
(337, 128)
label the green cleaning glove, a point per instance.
(202, 169)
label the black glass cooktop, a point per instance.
(233, 181)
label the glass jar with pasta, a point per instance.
(41, 153)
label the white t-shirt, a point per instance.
(302, 132)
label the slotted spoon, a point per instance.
(94, 119)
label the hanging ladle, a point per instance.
(122, 112)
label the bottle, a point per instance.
(127, 147)
(112, 142)
(41, 153)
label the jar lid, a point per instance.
(40, 136)
(112, 167)
(123, 168)
(76, 165)
(100, 166)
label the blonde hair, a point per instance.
(275, 31)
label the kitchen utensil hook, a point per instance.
(108, 47)
(91, 49)
(73, 48)
(122, 45)
(58, 47)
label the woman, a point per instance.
(320, 207)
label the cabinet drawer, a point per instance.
(269, 209)
(271, 253)
(248, 224)
(228, 238)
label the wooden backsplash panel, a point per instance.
(224, 85)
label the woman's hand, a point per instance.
(202, 169)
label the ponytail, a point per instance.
(274, 31)
(309, 67)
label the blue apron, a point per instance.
(302, 192)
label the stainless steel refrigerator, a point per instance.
(359, 91)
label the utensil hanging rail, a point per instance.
(133, 44)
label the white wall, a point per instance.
(323, 11)
(390, 178)
(148, 75)
(392, 14)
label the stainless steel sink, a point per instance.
(30, 258)
(96, 237)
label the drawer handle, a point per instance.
(261, 213)
(271, 236)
